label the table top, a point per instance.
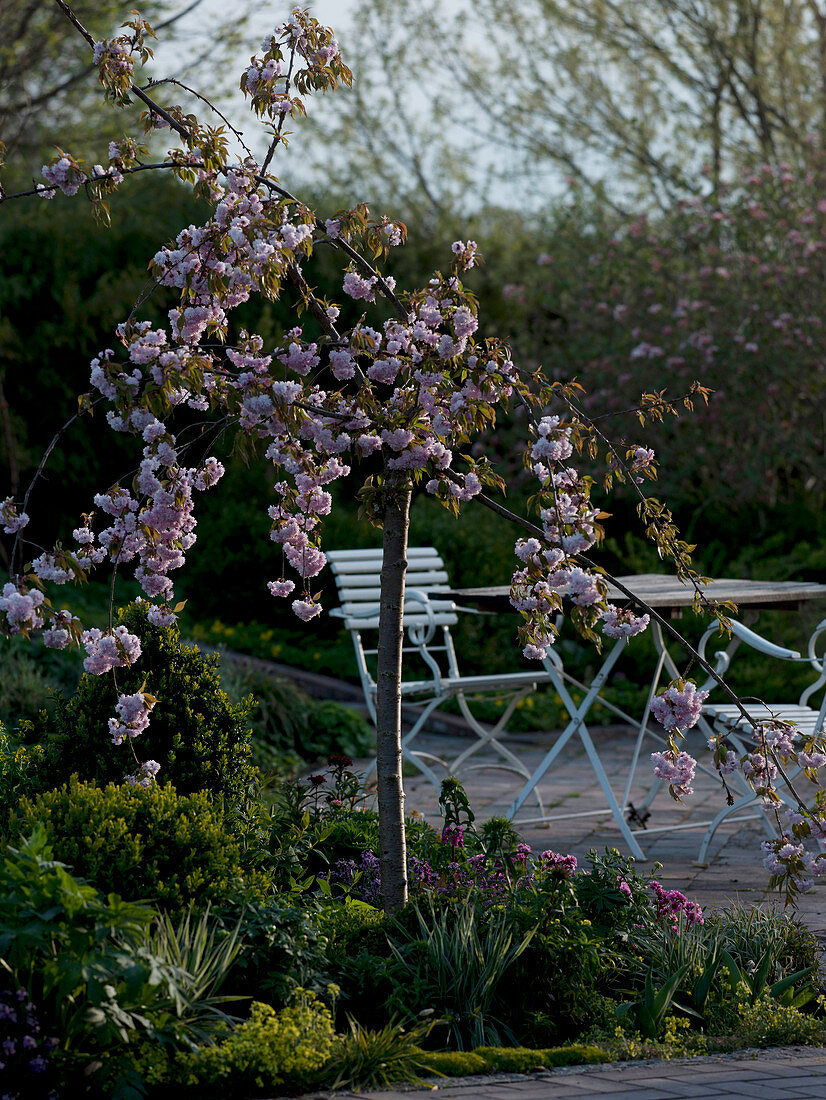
(662, 590)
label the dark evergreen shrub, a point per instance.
(198, 736)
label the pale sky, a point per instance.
(335, 14)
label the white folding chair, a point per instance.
(728, 719)
(430, 650)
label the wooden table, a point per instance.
(665, 592)
(670, 597)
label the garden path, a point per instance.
(788, 1073)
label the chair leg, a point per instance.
(488, 736)
(577, 725)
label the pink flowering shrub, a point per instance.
(717, 291)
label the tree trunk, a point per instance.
(393, 855)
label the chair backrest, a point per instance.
(358, 577)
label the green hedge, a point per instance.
(149, 844)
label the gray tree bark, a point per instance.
(392, 843)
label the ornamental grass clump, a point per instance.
(367, 1058)
(454, 961)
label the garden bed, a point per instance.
(194, 937)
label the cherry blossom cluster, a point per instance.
(68, 175)
(22, 608)
(246, 248)
(12, 520)
(466, 253)
(104, 652)
(26, 608)
(62, 629)
(155, 528)
(775, 746)
(620, 622)
(412, 415)
(777, 737)
(145, 775)
(414, 412)
(550, 572)
(790, 862)
(115, 58)
(63, 173)
(679, 706)
(677, 769)
(268, 81)
(759, 769)
(131, 716)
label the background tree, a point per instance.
(633, 98)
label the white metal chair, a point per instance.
(727, 717)
(427, 619)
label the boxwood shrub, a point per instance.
(149, 844)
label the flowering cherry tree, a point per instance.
(404, 390)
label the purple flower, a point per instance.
(421, 873)
(557, 864)
(672, 904)
(454, 835)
